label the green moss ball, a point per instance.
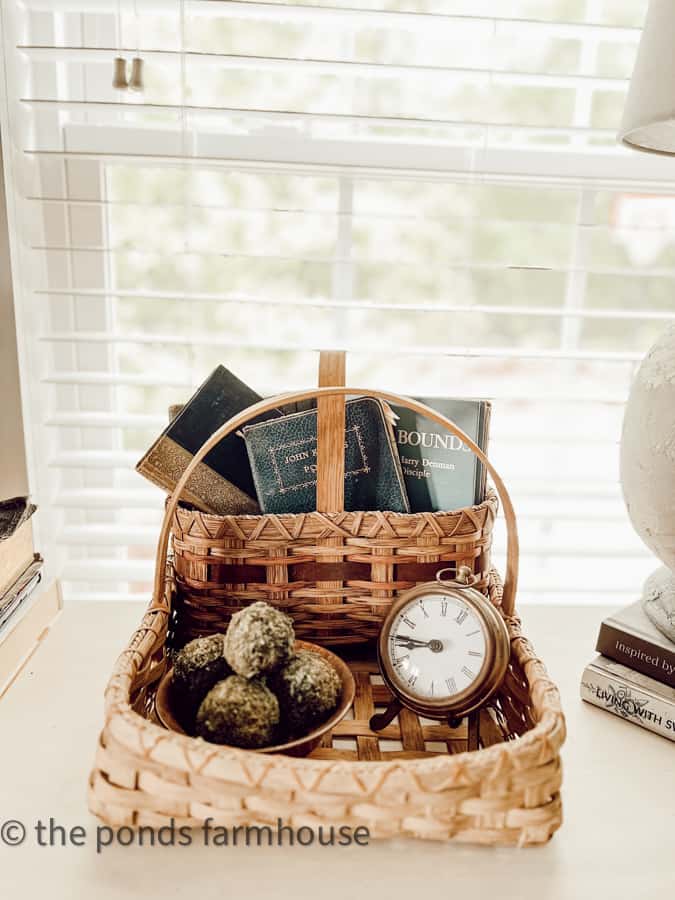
(239, 712)
(197, 667)
(258, 640)
(308, 689)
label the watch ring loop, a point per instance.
(463, 577)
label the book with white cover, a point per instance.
(26, 632)
(632, 696)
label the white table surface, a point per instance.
(618, 791)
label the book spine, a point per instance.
(624, 699)
(637, 653)
(24, 634)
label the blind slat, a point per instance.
(452, 265)
(592, 171)
(480, 127)
(356, 16)
(186, 387)
(157, 205)
(105, 420)
(94, 459)
(204, 340)
(372, 305)
(103, 499)
(352, 68)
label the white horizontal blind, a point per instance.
(429, 185)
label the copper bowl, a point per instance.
(301, 746)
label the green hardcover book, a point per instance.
(283, 454)
(440, 471)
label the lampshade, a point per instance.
(649, 116)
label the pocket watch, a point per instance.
(443, 650)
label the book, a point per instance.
(283, 455)
(635, 697)
(440, 471)
(26, 631)
(16, 539)
(18, 594)
(630, 638)
(223, 482)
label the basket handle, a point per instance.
(263, 406)
(330, 435)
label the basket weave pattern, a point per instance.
(335, 573)
(505, 794)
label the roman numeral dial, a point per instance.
(443, 650)
(437, 646)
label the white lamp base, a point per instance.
(658, 600)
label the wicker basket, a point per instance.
(424, 785)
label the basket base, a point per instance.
(408, 736)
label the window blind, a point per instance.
(428, 185)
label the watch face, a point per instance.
(437, 646)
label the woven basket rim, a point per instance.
(491, 501)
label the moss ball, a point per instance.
(197, 668)
(308, 689)
(258, 640)
(239, 712)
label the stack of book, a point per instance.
(395, 459)
(634, 676)
(25, 611)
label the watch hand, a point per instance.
(411, 643)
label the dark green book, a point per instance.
(223, 482)
(440, 471)
(283, 457)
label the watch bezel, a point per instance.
(491, 673)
